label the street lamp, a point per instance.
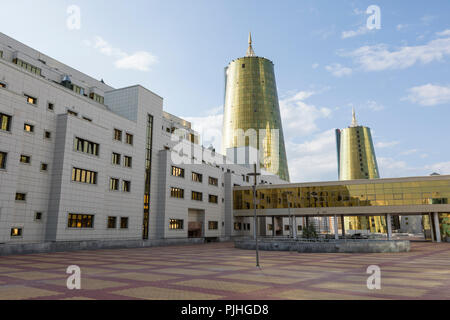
(255, 174)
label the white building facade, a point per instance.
(80, 160)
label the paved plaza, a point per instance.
(219, 271)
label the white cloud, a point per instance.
(409, 152)
(338, 70)
(374, 106)
(209, 127)
(429, 95)
(388, 144)
(444, 33)
(140, 61)
(353, 33)
(315, 65)
(380, 57)
(314, 159)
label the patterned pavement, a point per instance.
(219, 271)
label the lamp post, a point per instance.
(255, 174)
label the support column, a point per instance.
(433, 239)
(273, 226)
(343, 225)
(294, 228)
(255, 226)
(437, 229)
(389, 226)
(336, 229)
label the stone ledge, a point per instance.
(355, 246)
(45, 247)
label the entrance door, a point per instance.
(196, 223)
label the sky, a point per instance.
(329, 56)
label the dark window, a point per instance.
(177, 193)
(16, 232)
(2, 85)
(84, 176)
(129, 138)
(72, 113)
(127, 162)
(197, 196)
(117, 135)
(38, 216)
(51, 106)
(237, 226)
(30, 99)
(86, 146)
(112, 222)
(80, 221)
(116, 158)
(44, 167)
(25, 159)
(213, 181)
(114, 184)
(47, 135)
(178, 172)
(3, 157)
(5, 122)
(197, 177)
(126, 186)
(21, 196)
(213, 225)
(123, 223)
(213, 199)
(28, 127)
(176, 224)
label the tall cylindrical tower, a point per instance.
(252, 113)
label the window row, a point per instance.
(116, 159)
(114, 184)
(112, 222)
(196, 177)
(195, 195)
(86, 221)
(25, 159)
(178, 224)
(118, 136)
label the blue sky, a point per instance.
(326, 62)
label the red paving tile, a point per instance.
(219, 271)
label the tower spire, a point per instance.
(354, 121)
(250, 52)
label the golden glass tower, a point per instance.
(252, 113)
(357, 160)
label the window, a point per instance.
(21, 196)
(176, 224)
(86, 146)
(80, 221)
(270, 227)
(16, 232)
(123, 223)
(72, 113)
(197, 177)
(5, 122)
(38, 216)
(2, 85)
(127, 161)
(114, 184)
(213, 181)
(87, 119)
(27, 66)
(287, 227)
(178, 172)
(112, 222)
(84, 176)
(237, 226)
(30, 99)
(28, 127)
(197, 196)
(129, 138)
(25, 159)
(126, 186)
(3, 156)
(213, 199)
(44, 167)
(213, 225)
(97, 98)
(50, 106)
(47, 135)
(116, 158)
(117, 135)
(177, 193)
(247, 226)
